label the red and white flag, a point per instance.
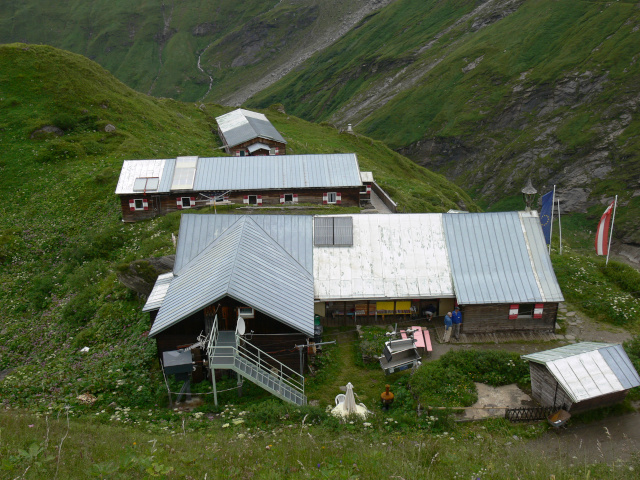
(602, 233)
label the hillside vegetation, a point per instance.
(61, 236)
(492, 93)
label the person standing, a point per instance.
(447, 327)
(456, 318)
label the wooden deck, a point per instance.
(503, 337)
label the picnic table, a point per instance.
(422, 339)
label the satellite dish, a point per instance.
(240, 327)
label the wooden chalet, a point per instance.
(381, 269)
(246, 133)
(256, 267)
(150, 188)
(582, 376)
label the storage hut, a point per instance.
(582, 376)
(150, 188)
(246, 133)
(258, 267)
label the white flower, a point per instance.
(225, 425)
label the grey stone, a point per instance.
(570, 337)
(571, 314)
(109, 128)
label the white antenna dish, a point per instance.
(240, 327)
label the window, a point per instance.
(246, 312)
(186, 202)
(253, 199)
(331, 197)
(288, 197)
(138, 204)
(525, 310)
(273, 151)
(146, 184)
(328, 231)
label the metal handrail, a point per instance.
(293, 379)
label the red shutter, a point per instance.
(295, 198)
(259, 198)
(193, 199)
(537, 310)
(513, 312)
(282, 198)
(132, 205)
(368, 188)
(179, 203)
(145, 204)
(324, 198)
(245, 199)
(338, 198)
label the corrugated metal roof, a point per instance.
(294, 233)
(277, 172)
(247, 264)
(588, 370)
(154, 302)
(258, 146)
(393, 256)
(242, 125)
(541, 262)
(366, 177)
(491, 260)
(133, 169)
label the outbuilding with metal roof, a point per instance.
(247, 133)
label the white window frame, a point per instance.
(249, 312)
(288, 200)
(249, 199)
(135, 203)
(335, 198)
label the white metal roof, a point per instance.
(392, 256)
(257, 146)
(154, 302)
(134, 169)
(242, 125)
(366, 177)
(588, 370)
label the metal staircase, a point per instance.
(230, 351)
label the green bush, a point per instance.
(624, 276)
(81, 308)
(57, 150)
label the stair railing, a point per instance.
(270, 365)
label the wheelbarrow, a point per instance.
(559, 419)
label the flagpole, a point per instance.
(553, 200)
(613, 219)
(560, 226)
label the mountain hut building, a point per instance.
(246, 133)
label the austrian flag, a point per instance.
(602, 234)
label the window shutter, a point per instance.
(295, 198)
(145, 204)
(193, 199)
(537, 310)
(338, 198)
(237, 153)
(513, 312)
(132, 205)
(282, 198)
(226, 198)
(276, 149)
(259, 198)
(179, 203)
(245, 199)
(369, 189)
(324, 198)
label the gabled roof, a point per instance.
(500, 258)
(392, 256)
(247, 264)
(587, 370)
(242, 125)
(278, 172)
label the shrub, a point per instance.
(58, 150)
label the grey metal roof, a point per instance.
(277, 172)
(293, 233)
(242, 125)
(247, 264)
(587, 370)
(154, 302)
(492, 260)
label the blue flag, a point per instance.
(545, 215)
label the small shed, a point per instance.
(247, 133)
(582, 376)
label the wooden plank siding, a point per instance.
(167, 203)
(282, 147)
(495, 318)
(543, 390)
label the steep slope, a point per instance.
(492, 93)
(216, 50)
(65, 127)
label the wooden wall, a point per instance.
(543, 387)
(282, 147)
(163, 204)
(495, 318)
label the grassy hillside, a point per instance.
(491, 94)
(61, 235)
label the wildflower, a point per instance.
(225, 425)
(31, 426)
